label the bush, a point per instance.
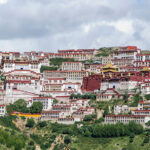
(73, 149)
(36, 107)
(148, 123)
(88, 118)
(110, 130)
(131, 140)
(42, 124)
(99, 120)
(7, 122)
(146, 140)
(66, 131)
(67, 140)
(43, 68)
(31, 143)
(142, 144)
(30, 123)
(132, 135)
(147, 96)
(23, 118)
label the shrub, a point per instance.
(31, 143)
(88, 118)
(23, 118)
(42, 124)
(30, 123)
(131, 140)
(67, 140)
(146, 140)
(132, 135)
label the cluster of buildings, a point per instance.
(124, 71)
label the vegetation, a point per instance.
(12, 141)
(42, 124)
(84, 96)
(105, 52)
(136, 99)
(67, 140)
(7, 122)
(36, 107)
(111, 130)
(30, 123)
(55, 101)
(21, 106)
(57, 62)
(88, 118)
(43, 68)
(147, 96)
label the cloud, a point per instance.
(3, 1)
(52, 25)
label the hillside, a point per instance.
(53, 136)
(105, 51)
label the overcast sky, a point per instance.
(50, 25)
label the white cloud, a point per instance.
(125, 26)
(67, 24)
(3, 1)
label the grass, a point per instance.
(88, 143)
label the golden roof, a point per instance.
(109, 68)
(145, 69)
(109, 65)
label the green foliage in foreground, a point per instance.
(16, 141)
(111, 130)
(44, 141)
(7, 122)
(117, 143)
(30, 123)
(43, 68)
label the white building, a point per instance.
(69, 66)
(10, 65)
(118, 109)
(14, 95)
(46, 101)
(113, 119)
(2, 110)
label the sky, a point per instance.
(49, 25)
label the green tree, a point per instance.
(9, 108)
(21, 106)
(106, 111)
(43, 68)
(146, 140)
(148, 123)
(55, 101)
(88, 118)
(125, 97)
(30, 123)
(147, 96)
(57, 62)
(136, 99)
(42, 124)
(36, 107)
(67, 140)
